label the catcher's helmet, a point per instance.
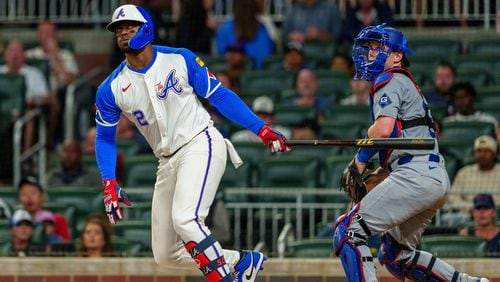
(389, 38)
(129, 12)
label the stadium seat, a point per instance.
(476, 76)
(465, 132)
(319, 53)
(311, 248)
(274, 62)
(251, 152)
(215, 63)
(127, 147)
(336, 130)
(125, 248)
(240, 177)
(342, 114)
(12, 93)
(443, 48)
(63, 44)
(454, 246)
(477, 61)
(248, 95)
(334, 81)
(492, 109)
(266, 80)
(42, 65)
(10, 195)
(78, 197)
(485, 46)
(138, 211)
(290, 115)
(135, 231)
(421, 74)
(335, 165)
(140, 170)
(489, 95)
(4, 231)
(452, 164)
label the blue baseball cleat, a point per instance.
(248, 267)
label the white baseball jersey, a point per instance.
(159, 99)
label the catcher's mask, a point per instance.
(380, 40)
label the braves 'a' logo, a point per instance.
(171, 83)
(121, 13)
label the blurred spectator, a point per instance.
(306, 87)
(196, 19)
(312, 20)
(63, 67)
(365, 13)
(244, 27)
(481, 177)
(236, 60)
(263, 106)
(342, 63)
(126, 131)
(31, 198)
(218, 221)
(95, 240)
(71, 171)
(49, 229)
(445, 77)
(360, 93)
(464, 96)
(268, 22)
(37, 92)
(294, 59)
(228, 80)
(484, 213)
(21, 230)
(306, 129)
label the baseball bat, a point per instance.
(378, 143)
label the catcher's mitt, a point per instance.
(357, 185)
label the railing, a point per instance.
(70, 104)
(262, 221)
(98, 12)
(38, 148)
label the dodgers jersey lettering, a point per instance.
(158, 99)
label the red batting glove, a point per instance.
(273, 139)
(113, 195)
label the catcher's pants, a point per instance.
(185, 188)
(404, 204)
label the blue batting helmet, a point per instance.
(390, 39)
(134, 13)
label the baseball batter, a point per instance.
(156, 87)
(404, 203)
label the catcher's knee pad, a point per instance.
(388, 254)
(347, 246)
(212, 266)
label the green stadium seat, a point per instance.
(138, 211)
(477, 61)
(127, 147)
(485, 46)
(334, 81)
(334, 167)
(489, 95)
(454, 246)
(311, 248)
(421, 74)
(274, 62)
(12, 93)
(452, 165)
(10, 195)
(215, 63)
(63, 44)
(465, 132)
(125, 248)
(135, 231)
(43, 65)
(4, 231)
(288, 171)
(290, 115)
(442, 48)
(140, 170)
(251, 152)
(240, 177)
(476, 76)
(342, 114)
(266, 80)
(319, 52)
(336, 130)
(248, 95)
(492, 109)
(429, 60)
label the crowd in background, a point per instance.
(242, 43)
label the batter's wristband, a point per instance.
(365, 154)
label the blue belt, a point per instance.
(406, 159)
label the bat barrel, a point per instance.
(378, 143)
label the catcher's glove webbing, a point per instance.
(353, 183)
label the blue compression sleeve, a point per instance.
(105, 150)
(365, 154)
(232, 107)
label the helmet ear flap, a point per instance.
(144, 35)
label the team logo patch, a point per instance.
(171, 83)
(200, 62)
(384, 100)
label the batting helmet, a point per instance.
(390, 39)
(134, 13)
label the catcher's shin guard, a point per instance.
(423, 266)
(212, 266)
(351, 248)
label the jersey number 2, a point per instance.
(139, 116)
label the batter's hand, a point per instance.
(273, 139)
(113, 195)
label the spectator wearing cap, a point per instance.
(481, 177)
(263, 106)
(21, 230)
(31, 198)
(246, 28)
(48, 220)
(464, 96)
(484, 214)
(236, 61)
(294, 59)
